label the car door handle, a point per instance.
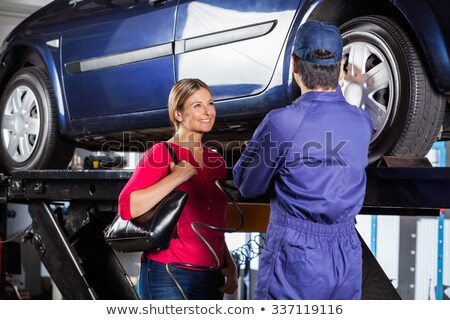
(157, 3)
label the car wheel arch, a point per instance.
(323, 11)
(340, 11)
(24, 55)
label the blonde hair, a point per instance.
(181, 91)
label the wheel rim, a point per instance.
(21, 124)
(371, 82)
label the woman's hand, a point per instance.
(184, 170)
(231, 276)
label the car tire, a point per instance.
(386, 76)
(29, 131)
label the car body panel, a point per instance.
(249, 76)
(117, 59)
(33, 33)
(218, 42)
(430, 22)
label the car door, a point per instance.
(232, 45)
(117, 57)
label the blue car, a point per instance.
(96, 74)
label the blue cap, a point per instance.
(315, 35)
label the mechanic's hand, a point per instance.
(184, 170)
(230, 285)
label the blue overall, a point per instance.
(310, 158)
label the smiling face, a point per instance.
(198, 114)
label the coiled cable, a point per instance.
(195, 226)
(249, 251)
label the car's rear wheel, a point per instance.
(29, 132)
(386, 77)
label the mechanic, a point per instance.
(310, 157)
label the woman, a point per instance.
(192, 112)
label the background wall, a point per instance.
(12, 12)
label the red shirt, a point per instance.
(206, 203)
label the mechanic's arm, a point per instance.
(258, 163)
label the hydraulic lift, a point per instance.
(70, 209)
